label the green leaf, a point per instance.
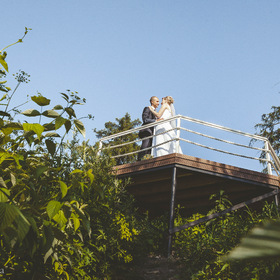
(65, 96)
(49, 126)
(4, 96)
(76, 171)
(3, 62)
(41, 100)
(47, 237)
(261, 242)
(48, 254)
(59, 121)
(53, 207)
(60, 218)
(51, 146)
(4, 194)
(70, 111)
(5, 114)
(52, 134)
(31, 113)
(76, 221)
(13, 179)
(50, 114)
(10, 127)
(90, 175)
(40, 170)
(7, 130)
(2, 183)
(68, 125)
(63, 188)
(57, 107)
(11, 216)
(36, 127)
(80, 126)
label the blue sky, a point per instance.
(219, 59)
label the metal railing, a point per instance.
(266, 153)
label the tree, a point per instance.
(269, 127)
(122, 124)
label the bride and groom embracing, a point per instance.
(162, 132)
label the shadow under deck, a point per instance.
(196, 179)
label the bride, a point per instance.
(165, 132)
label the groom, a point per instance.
(148, 117)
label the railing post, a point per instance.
(267, 156)
(178, 134)
(99, 148)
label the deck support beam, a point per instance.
(172, 208)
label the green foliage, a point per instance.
(122, 124)
(63, 213)
(263, 241)
(202, 248)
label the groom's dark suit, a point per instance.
(147, 117)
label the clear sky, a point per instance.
(219, 59)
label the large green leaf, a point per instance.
(70, 111)
(11, 216)
(59, 121)
(80, 126)
(36, 127)
(261, 242)
(68, 125)
(10, 127)
(76, 221)
(60, 218)
(53, 207)
(4, 194)
(63, 188)
(51, 146)
(57, 107)
(50, 114)
(41, 100)
(31, 113)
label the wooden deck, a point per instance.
(196, 180)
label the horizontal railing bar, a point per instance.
(137, 140)
(138, 128)
(190, 120)
(223, 128)
(221, 151)
(150, 148)
(222, 140)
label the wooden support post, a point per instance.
(172, 207)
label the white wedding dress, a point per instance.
(166, 148)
